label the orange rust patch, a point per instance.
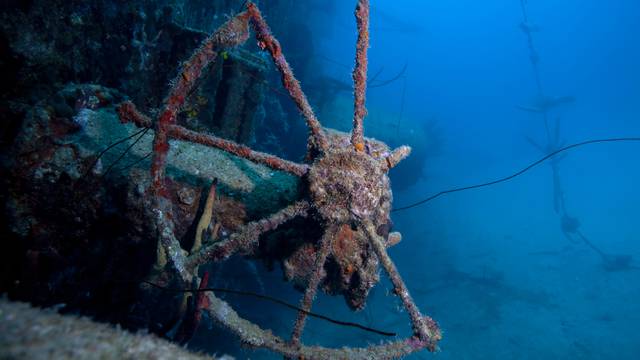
(349, 269)
(229, 213)
(344, 240)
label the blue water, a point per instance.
(493, 265)
(542, 265)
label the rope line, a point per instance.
(279, 302)
(518, 173)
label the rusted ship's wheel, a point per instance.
(348, 187)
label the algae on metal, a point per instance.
(258, 187)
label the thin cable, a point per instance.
(527, 168)
(134, 163)
(400, 74)
(373, 79)
(402, 98)
(279, 302)
(125, 152)
(110, 147)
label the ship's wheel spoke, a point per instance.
(312, 287)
